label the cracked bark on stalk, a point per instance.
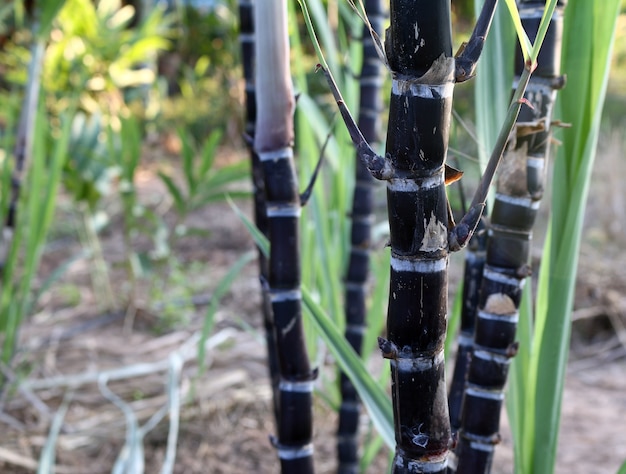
(362, 214)
(246, 37)
(273, 143)
(518, 193)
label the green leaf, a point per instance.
(524, 41)
(207, 154)
(49, 11)
(188, 154)
(179, 200)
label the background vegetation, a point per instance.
(136, 143)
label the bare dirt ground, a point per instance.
(70, 351)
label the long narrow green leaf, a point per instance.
(524, 41)
(49, 11)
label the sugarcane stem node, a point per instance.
(559, 82)
(389, 349)
(460, 234)
(512, 350)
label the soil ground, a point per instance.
(71, 349)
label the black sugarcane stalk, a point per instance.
(418, 49)
(419, 53)
(424, 73)
(472, 279)
(370, 105)
(246, 37)
(519, 190)
(273, 143)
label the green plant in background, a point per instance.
(204, 182)
(94, 51)
(33, 217)
(201, 69)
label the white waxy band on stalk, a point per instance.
(411, 88)
(298, 387)
(355, 329)
(376, 81)
(295, 453)
(531, 12)
(352, 406)
(246, 37)
(276, 296)
(419, 266)
(466, 341)
(501, 278)
(488, 394)
(368, 112)
(404, 185)
(477, 445)
(518, 201)
(275, 155)
(354, 286)
(536, 163)
(417, 364)
(421, 466)
(506, 318)
(284, 210)
(490, 356)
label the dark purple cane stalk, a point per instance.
(422, 232)
(370, 106)
(419, 52)
(472, 279)
(273, 143)
(246, 37)
(518, 193)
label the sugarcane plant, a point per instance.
(519, 190)
(273, 142)
(370, 104)
(472, 279)
(29, 184)
(246, 38)
(418, 52)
